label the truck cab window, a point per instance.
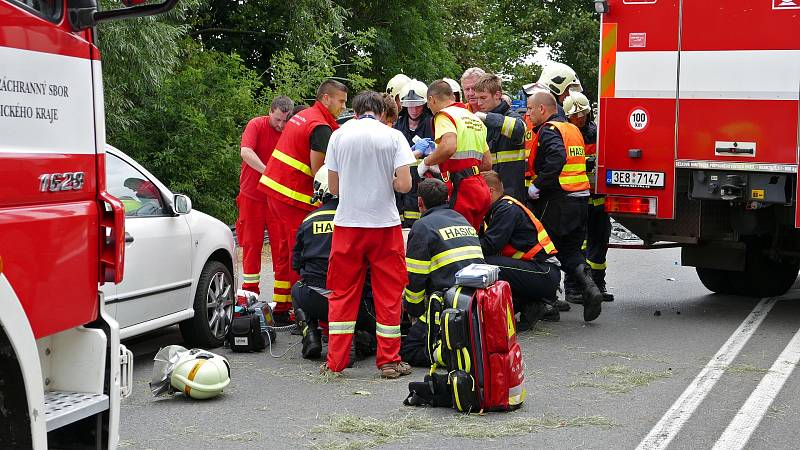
(48, 9)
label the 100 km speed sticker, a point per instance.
(638, 119)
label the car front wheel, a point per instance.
(213, 308)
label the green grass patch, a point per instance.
(625, 355)
(745, 368)
(619, 379)
(372, 432)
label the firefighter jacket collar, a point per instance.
(435, 208)
(553, 118)
(329, 119)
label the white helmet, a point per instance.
(201, 374)
(414, 93)
(453, 84)
(321, 191)
(397, 82)
(559, 78)
(576, 103)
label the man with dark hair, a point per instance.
(434, 239)
(367, 162)
(288, 181)
(518, 243)
(561, 191)
(258, 141)
(505, 135)
(461, 153)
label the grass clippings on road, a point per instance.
(367, 432)
(745, 368)
(619, 379)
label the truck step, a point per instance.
(63, 408)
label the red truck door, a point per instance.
(638, 96)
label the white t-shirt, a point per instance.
(365, 154)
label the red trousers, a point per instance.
(287, 220)
(473, 200)
(254, 218)
(352, 251)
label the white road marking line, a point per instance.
(752, 412)
(673, 420)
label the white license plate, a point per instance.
(631, 178)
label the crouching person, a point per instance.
(310, 295)
(516, 241)
(440, 244)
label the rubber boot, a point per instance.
(572, 291)
(599, 277)
(312, 341)
(592, 297)
(550, 310)
(530, 313)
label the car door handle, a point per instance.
(128, 238)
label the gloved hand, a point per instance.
(423, 168)
(425, 146)
(533, 192)
(481, 115)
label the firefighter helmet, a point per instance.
(397, 82)
(576, 103)
(560, 78)
(321, 191)
(414, 93)
(201, 374)
(453, 85)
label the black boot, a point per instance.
(599, 277)
(530, 313)
(592, 297)
(572, 291)
(550, 310)
(282, 319)
(312, 341)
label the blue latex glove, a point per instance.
(425, 147)
(533, 192)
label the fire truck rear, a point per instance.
(698, 134)
(62, 368)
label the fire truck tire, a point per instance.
(213, 308)
(15, 428)
(762, 278)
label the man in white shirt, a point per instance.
(367, 162)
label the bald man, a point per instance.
(560, 191)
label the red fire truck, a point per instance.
(62, 368)
(698, 134)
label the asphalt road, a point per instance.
(606, 384)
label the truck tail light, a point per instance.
(112, 231)
(631, 205)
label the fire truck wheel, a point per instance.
(763, 277)
(213, 308)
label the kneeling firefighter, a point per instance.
(310, 295)
(440, 244)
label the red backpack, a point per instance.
(477, 344)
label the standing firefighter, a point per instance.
(461, 153)
(505, 135)
(258, 142)
(416, 123)
(288, 181)
(562, 190)
(598, 227)
(367, 162)
(394, 86)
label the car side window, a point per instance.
(140, 196)
(48, 9)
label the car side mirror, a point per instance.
(182, 204)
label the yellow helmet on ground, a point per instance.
(397, 82)
(414, 93)
(201, 374)
(576, 103)
(560, 78)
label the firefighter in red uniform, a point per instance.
(461, 153)
(258, 141)
(598, 227)
(562, 190)
(288, 181)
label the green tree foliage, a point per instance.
(188, 132)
